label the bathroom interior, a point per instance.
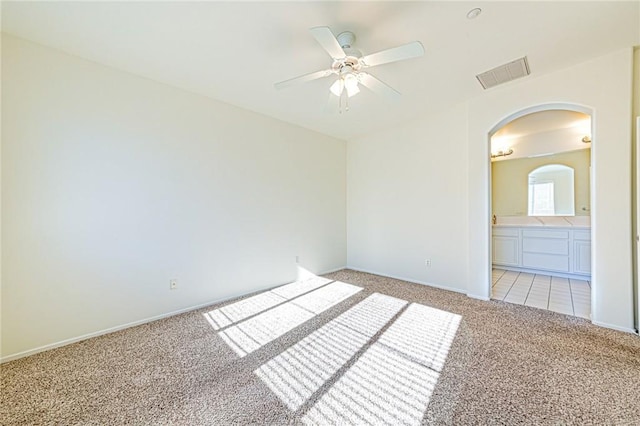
(540, 200)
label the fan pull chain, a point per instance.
(346, 102)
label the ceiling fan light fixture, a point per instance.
(351, 84)
(352, 91)
(337, 87)
(348, 65)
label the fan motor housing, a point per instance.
(346, 39)
(346, 65)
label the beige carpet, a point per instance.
(354, 349)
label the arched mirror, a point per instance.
(551, 191)
(528, 156)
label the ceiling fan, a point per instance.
(349, 64)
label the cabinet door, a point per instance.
(505, 251)
(582, 257)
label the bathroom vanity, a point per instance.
(554, 245)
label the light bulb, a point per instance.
(351, 83)
(337, 87)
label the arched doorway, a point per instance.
(554, 247)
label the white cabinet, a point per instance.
(548, 250)
(506, 247)
(582, 252)
(545, 249)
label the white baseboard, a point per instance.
(333, 270)
(133, 324)
(581, 277)
(411, 280)
(475, 296)
(614, 327)
(213, 302)
(108, 330)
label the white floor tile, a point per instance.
(563, 295)
(578, 283)
(515, 298)
(580, 299)
(581, 292)
(519, 291)
(502, 287)
(537, 296)
(560, 310)
(537, 304)
(534, 295)
(582, 308)
(520, 287)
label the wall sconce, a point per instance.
(502, 153)
(586, 139)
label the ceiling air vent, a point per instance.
(503, 73)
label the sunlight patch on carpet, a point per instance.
(392, 382)
(261, 329)
(300, 371)
(245, 308)
(424, 334)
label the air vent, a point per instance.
(503, 73)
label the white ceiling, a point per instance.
(235, 51)
(544, 121)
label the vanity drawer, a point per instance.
(506, 232)
(535, 233)
(546, 246)
(545, 261)
(582, 235)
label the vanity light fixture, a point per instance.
(502, 153)
(474, 13)
(586, 139)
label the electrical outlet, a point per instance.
(297, 259)
(173, 284)
(427, 263)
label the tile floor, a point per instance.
(563, 295)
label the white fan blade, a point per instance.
(378, 87)
(406, 51)
(303, 78)
(328, 41)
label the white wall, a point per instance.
(422, 189)
(542, 143)
(636, 175)
(113, 184)
(407, 201)
(604, 85)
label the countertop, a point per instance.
(575, 222)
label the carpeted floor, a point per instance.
(362, 349)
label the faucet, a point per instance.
(494, 219)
